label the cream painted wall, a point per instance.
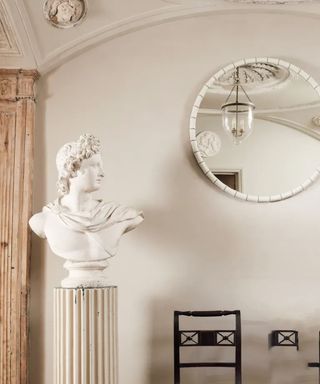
(198, 248)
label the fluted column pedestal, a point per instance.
(85, 336)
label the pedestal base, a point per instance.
(85, 274)
(85, 336)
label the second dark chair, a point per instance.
(201, 338)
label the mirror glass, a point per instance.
(275, 157)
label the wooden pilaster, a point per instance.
(17, 113)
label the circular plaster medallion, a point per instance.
(316, 121)
(209, 143)
(64, 13)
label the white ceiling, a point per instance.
(27, 40)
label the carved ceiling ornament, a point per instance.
(65, 13)
(259, 74)
(316, 121)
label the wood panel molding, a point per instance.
(17, 114)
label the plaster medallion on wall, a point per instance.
(316, 121)
(65, 13)
(209, 143)
(260, 74)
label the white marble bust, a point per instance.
(82, 230)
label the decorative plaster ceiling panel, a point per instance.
(256, 75)
(49, 47)
(8, 41)
(100, 15)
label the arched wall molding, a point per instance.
(61, 55)
(110, 32)
(313, 132)
(292, 124)
(207, 111)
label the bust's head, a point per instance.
(80, 163)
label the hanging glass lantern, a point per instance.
(237, 116)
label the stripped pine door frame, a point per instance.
(17, 115)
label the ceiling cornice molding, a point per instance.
(57, 57)
(292, 124)
(112, 31)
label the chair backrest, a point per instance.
(222, 338)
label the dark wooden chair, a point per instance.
(317, 363)
(201, 338)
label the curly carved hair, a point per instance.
(70, 157)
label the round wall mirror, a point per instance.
(255, 129)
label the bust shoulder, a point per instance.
(37, 223)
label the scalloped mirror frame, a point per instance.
(200, 159)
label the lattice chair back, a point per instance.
(217, 338)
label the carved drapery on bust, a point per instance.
(82, 230)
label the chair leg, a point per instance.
(176, 349)
(238, 348)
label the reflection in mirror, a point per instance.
(280, 156)
(237, 114)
